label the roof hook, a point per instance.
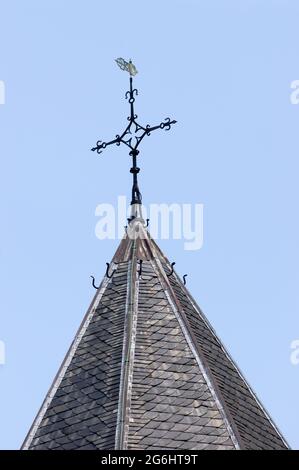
(140, 268)
(147, 222)
(184, 278)
(107, 271)
(171, 272)
(93, 283)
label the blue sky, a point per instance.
(223, 69)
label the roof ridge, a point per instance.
(202, 364)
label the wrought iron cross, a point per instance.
(139, 131)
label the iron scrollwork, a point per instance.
(127, 139)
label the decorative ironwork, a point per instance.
(133, 134)
(93, 283)
(184, 278)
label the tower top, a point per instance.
(133, 133)
(146, 370)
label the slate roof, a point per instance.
(147, 371)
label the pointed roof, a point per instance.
(147, 371)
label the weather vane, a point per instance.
(128, 66)
(139, 131)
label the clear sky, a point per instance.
(223, 69)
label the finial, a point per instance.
(133, 127)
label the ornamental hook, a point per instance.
(184, 278)
(93, 283)
(107, 271)
(171, 272)
(140, 268)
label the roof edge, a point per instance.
(64, 365)
(239, 371)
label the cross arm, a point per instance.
(148, 129)
(166, 124)
(102, 145)
(163, 125)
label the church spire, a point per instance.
(146, 370)
(133, 135)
